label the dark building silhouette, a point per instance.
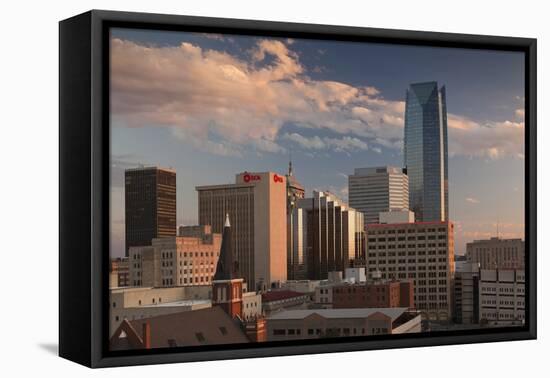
(150, 205)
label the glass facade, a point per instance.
(426, 152)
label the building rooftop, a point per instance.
(150, 168)
(389, 225)
(208, 326)
(343, 313)
(278, 295)
(373, 170)
(182, 303)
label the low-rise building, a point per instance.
(145, 302)
(355, 275)
(210, 326)
(301, 286)
(186, 260)
(324, 323)
(371, 294)
(252, 305)
(283, 299)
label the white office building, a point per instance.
(378, 189)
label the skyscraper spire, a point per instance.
(290, 165)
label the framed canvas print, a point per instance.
(234, 188)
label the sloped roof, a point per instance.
(342, 313)
(208, 326)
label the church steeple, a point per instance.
(226, 267)
(227, 288)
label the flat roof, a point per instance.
(342, 313)
(223, 186)
(381, 225)
(148, 168)
(182, 303)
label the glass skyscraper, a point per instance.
(425, 151)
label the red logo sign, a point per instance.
(249, 177)
(277, 178)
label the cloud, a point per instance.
(492, 140)
(219, 103)
(520, 113)
(472, 200)
(229, 104)
(217, 37)
(345, 144)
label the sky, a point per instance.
(211, 106)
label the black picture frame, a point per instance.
(84, 186)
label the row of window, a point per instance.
(431, 260)
(410, 231)
(407, 267)
(441, 252)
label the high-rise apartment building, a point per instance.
(256, 205)
(294, 192)
(422, 252)
(186, 260)
(150, 205)
(328, 236)
(378, 189)
(497, 253)
(425, 151)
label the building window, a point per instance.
(279, 332)
(200, 337)
(223, 330)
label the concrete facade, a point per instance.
(502, 297)
(256, 205)
(422, 252)
(176, 261)
(146, 302)
(378, 189)
(314, 324)
(497, 253)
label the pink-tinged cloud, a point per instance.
(492, 140)
(221, 103)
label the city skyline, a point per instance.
(336, 118)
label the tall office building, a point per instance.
(150, 205)
(256, 205)
(328, 236)
(378, 189)
(294, 192)
(425, 151)
(422, 252)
